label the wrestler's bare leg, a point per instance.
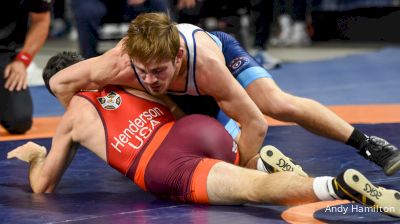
(230, 184)
(308, 113)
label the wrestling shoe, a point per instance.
(275, 161)
(266, 60)
(354, 186)
(382, 153)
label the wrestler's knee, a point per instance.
(16, 111)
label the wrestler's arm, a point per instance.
(162, 99)
(173, 107)
(235, 102)
(112, 67)
(46, 171)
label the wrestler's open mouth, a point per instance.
(155, 87)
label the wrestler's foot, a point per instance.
(275, 161)
(382, 153)
(354, 186)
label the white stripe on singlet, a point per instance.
(187, 32)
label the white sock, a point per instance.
(323, 188)
(260, 166)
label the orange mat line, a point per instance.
(43, 127)
(355, 114)
(303, 214)
(360, 114)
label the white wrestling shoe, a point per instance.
(275, 161)
(354, 186)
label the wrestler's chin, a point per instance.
(157, 92)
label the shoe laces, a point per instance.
(378, 150)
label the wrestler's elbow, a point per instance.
(255, 124)
(263, 127)
(259, 127)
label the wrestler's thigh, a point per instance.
(265, 93)
(230, 184)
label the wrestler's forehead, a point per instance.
(152, 64)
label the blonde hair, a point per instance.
(152, 37)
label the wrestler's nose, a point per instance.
(150, 79)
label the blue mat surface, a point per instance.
(91, 192)
(371, 78)
(44, 104)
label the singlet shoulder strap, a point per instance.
(187, 32)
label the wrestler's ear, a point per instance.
(179, 56)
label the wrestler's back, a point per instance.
(87, 126)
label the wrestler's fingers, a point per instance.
(27, 152)
(30, 144)
(10, 155)
(14, 153)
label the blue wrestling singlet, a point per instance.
(242, 66)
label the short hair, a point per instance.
(152, 37)
(57, 63)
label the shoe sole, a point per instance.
(278, 161)
(393, 168)
(386, 199)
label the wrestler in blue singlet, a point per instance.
(242, 66)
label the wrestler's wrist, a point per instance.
(24, 57)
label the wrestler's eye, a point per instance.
(157, 71)
(141, 72)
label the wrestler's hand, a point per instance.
(135, 2)
(15, 74)
(28, 152)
